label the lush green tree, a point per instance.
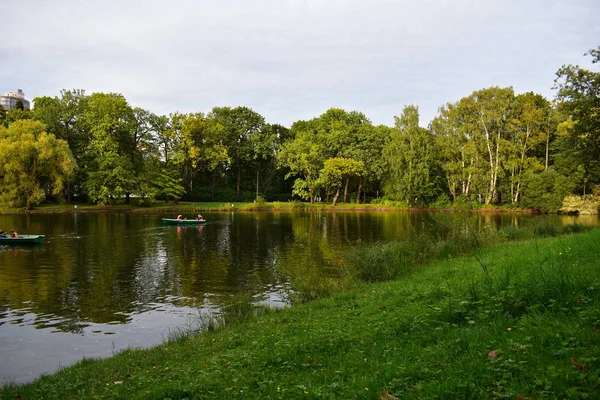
(491, 108)
(33, 163)
(413, 173)
(202, 146)
(168, 150)
(16, 115)
(304, 158)
(453, 131)
(338, 170)
(579, 101)
(269, 170)
(247, 139)
(368, 149)
(476, 130)
(154, 179)
(340, 132)
(545, 191)
(110, 174)
(335, 133)
(528, 129)
(63, 117)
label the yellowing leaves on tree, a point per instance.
(33, 164)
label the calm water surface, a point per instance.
(104, 282)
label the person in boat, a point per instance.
(180, 217)
(2, 233)
(200, 218)
(14, 234)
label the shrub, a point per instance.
(464, 204)
(588, 204)
(442, 202)
(545, 191)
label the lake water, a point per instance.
(103, 282)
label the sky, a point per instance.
(292, 60)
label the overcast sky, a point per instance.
(292, 59)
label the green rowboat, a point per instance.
(175, 221)
(21, 239)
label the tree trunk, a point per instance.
(267, 184)
(492, 189)
(360, 185)
(214, 184)
(337, 194)
(547, 146)
(239, 179)
(327, 194)
(468, 186)
(69, 199)
(346, 189)
(512, 182)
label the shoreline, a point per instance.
(237, 207)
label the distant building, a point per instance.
(9, 100)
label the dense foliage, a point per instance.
(492, 147)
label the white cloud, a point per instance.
(291, 59)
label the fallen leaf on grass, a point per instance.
(387, 396)
(578, 364)
(492, 354)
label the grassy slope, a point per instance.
(528, 327)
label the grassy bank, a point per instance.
(521, 319)
(192, 207)
(200, 206)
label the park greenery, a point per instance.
(492, 148)
(520, 320)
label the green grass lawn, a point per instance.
(520, 319)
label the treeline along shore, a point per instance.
(491, 148)
(516, 320)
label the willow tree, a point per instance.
(33, 163)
